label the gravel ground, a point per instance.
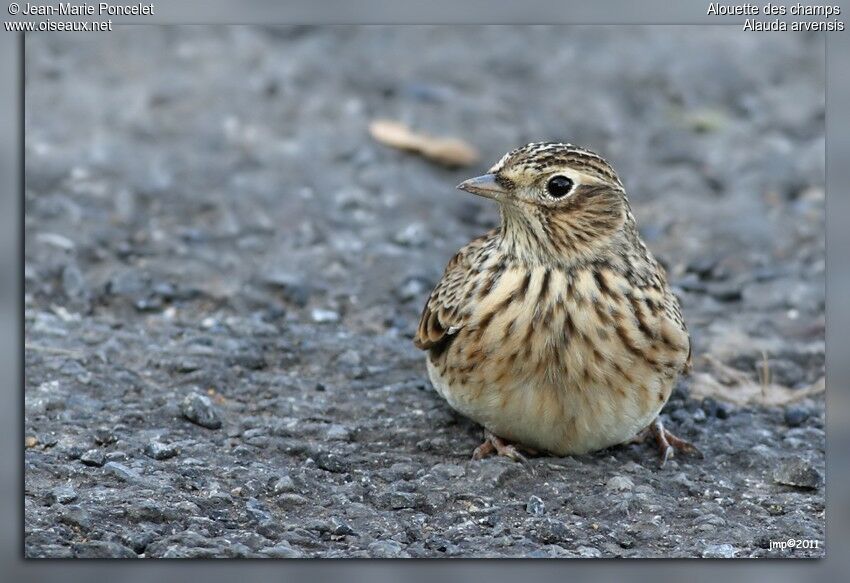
(224, 273)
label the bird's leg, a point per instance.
(668, 443)
(495, 444)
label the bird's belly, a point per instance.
(559, 419)
(563, 372)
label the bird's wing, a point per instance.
(678, 321)
(689, 361)
(447, 309)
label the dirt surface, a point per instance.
(224, 273)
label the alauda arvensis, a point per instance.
(556, 331)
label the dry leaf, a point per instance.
(450, 152)
(734, 386)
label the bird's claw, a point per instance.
(498, 446)
(669, 443)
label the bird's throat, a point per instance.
(535, 237)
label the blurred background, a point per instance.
(208, 214)
(240, 157)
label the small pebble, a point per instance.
(282, 550)
(284, 484)
(349, 358)
(709, 407)
(321, 316)
(160, 451)
(104, 436)
(450, 471)
(721, 551)
(552, 530)
(386, 549)
(413, 235)
(411, 289)
(799, 474)
(619, 484)
(102, 550)
(589, 552)
(680, 415)
(336, 432)
(62, 494)
(199, 409)
(122, 472)
(341, 528)
(535, 506)
(395, 500)
(289, 500)
(76, 516)
(332, 462)
(93, 457)
(257, 511)
(795, 416)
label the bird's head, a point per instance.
(558, 201)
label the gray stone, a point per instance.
(332, 462)
(62, 494)
(411, 289)
(160, 451)
(395, 500)
(123, 472)
(292, 286)
(341, 528)
(412, 235)
(386, 549)
(74, 283)
(291, 500)
(323, 316)
(337, 432)
(284, 484)
(589, 552)
(93, 457)
(619, 484)
(552, 530)
(76, 516)
(449, 471)
(102, 550)
(199, 409)
(350, 358)
(799, 474)
(282, 550)
(795, 416)
(153, 510)
(104, 436)
(719, 551)
(138, 540)
(257, 511)
(535, 506)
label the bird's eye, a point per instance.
(559, 186)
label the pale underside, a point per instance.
(562, 360)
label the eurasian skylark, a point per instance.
(557, 331)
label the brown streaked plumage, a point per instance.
(556, 331)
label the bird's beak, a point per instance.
(485, 185)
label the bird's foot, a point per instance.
(494, 444)
(667, 442)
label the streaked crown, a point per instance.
(543, 157)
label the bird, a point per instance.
(557, 330)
